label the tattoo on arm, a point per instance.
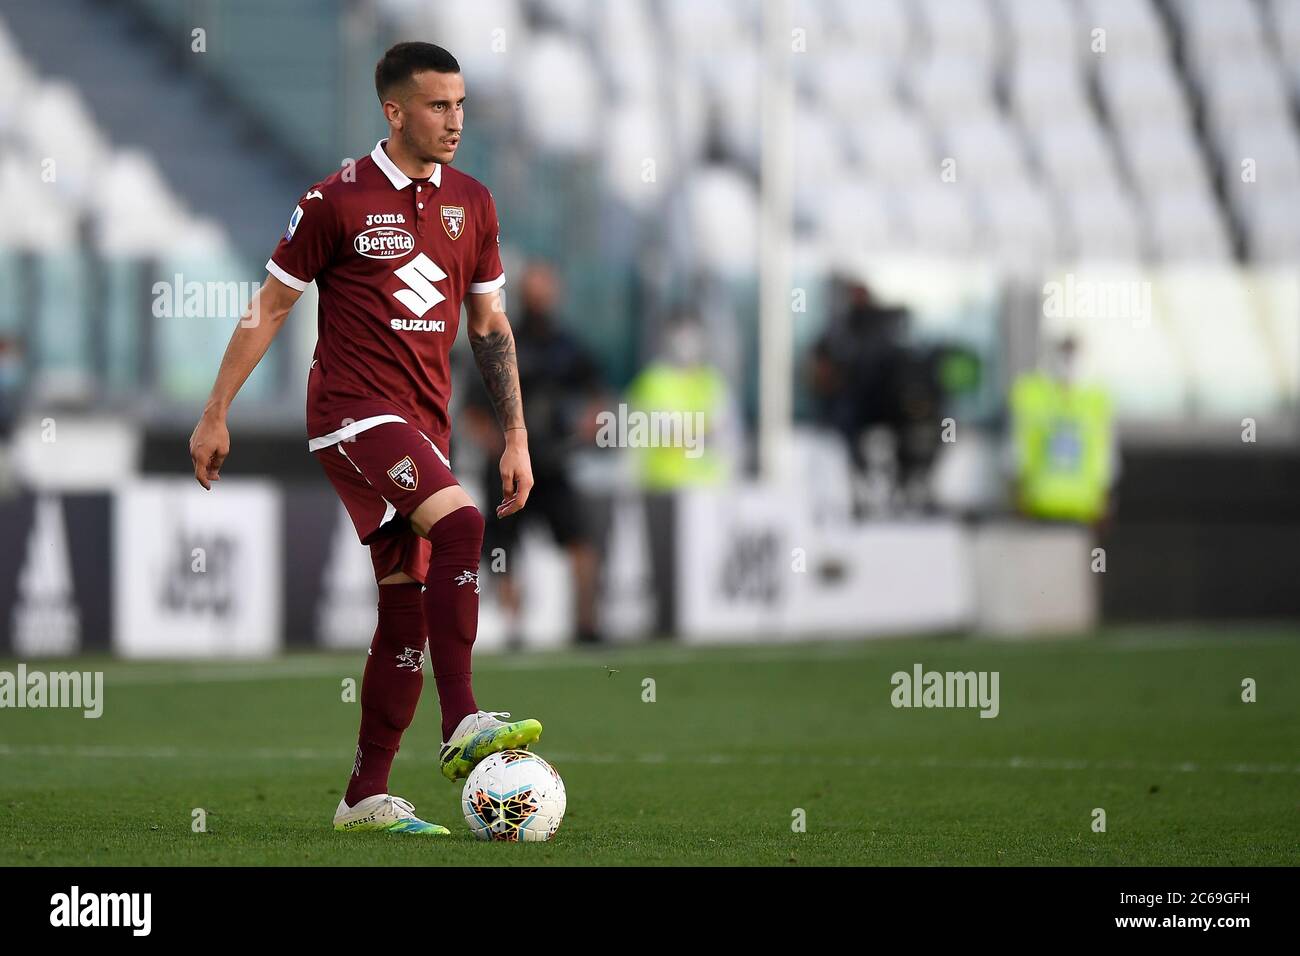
(495, 355)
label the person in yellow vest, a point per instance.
(691, 399)
(1064, 441)
(688, 439)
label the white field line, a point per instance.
(118, 674)
(941, 763)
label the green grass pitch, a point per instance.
(1147, 725)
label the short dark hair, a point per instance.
(404, 60)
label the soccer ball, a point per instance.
(514, 795)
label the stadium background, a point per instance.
(962, 158)
(958, 157)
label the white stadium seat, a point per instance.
(1284, 26)
(134, 212)
(1273, 230)
(1163, 157)
(1044, 29)
(488, 37)
(850, 85)
(1136, 90)
(895, 147)
(1261, 167)
(1103, 225)
(58, 127)
(960, 29)
(688, 131)
(16, 78)
(815, 21)
(940, 219)
(699, 30)
(199, 239)
(1046, 90)
(735, 102)
(58, 170)
(948, 87)
(35, 216)
(1246, 93)
(723, 221)
(819, 157)
(986, 149)
(627, 61)
(1275, 150)
(1074, 154)
(883, 31)
(1219, 31)
(1130, 28)
(855, 216)
(1022, 225)
(570, 128)
(1186, 226)
(635, 166)
(570, 16)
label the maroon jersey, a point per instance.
(392, 259)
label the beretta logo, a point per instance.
(384, 242)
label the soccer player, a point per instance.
(395, 246)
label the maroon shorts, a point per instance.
(382, 474)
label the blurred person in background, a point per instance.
(565, 389)
(867, 388)
(682, 382)
(11, 375)
(1063, 441)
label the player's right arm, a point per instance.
(266, 313)
(308, 245)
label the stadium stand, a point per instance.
(1026, 138)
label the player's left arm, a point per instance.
(493, 344)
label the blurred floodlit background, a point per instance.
(990, 308)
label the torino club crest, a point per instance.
(453, 220)
(404, 474)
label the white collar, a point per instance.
(395, 176)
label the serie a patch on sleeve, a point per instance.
(293, 222)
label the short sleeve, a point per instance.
(488, 272)
(308, 243)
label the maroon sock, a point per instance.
(390, 688)
(451, 610)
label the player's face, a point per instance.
(433, 114)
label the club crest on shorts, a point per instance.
(404, 474)
(453, 220)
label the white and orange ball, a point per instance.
(514, 795)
